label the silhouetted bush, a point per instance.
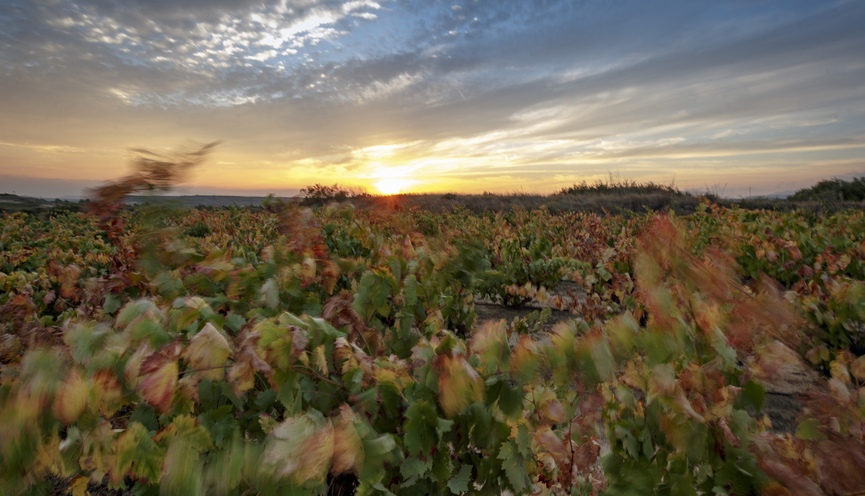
(620, 187)
(833, 190)
(319, 194)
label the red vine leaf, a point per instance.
(158, 380)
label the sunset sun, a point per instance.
(392, 185)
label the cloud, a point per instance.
(491, 87)
(45, 148)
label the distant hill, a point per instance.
(199, 200)
(15, 203)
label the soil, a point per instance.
(782, 403)
(60, 486)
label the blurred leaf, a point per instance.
(137, 455)
(207, 352)
(221, 424)
(348, 454)
(459, 384)
(71, 398)
(857, 368)
(158, 380)
(808, 430)
(319, 360)
(490, 342)
(300, 448)
(525, 360)
(242, 377)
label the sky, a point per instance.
(734, 97)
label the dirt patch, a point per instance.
(782, 403)
(782, 410)
(489, 311)
(61, 486)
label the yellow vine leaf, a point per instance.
(319, 360)
(106, 394)
(71, 399)
(79, 486)
(208, 351)
(242, 377)
(132, 371)
(525, 360)
(300, 448)
(459, 384)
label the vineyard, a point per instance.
(290, 350)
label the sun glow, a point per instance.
(392, 185)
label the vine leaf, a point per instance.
(553, 412)
(525, 362)
(105, 393)
(208, 350)
(158, 380)
(514, 465)
(71, 399)
(459, 384)
(78, 486)
(319, 360)
(242, 377)
(420, 428)
(348, 452)
(132, 371)
(459, 483)
(414, 466)
(137, 455)
(301, 448)
(490, 342)
(587, 454)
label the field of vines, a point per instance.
(292, 351)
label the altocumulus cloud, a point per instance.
(465, 95)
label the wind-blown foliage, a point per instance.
(306, 352)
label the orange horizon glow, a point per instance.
(398, 169)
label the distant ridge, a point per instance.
(13, 203)
(199, 200)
